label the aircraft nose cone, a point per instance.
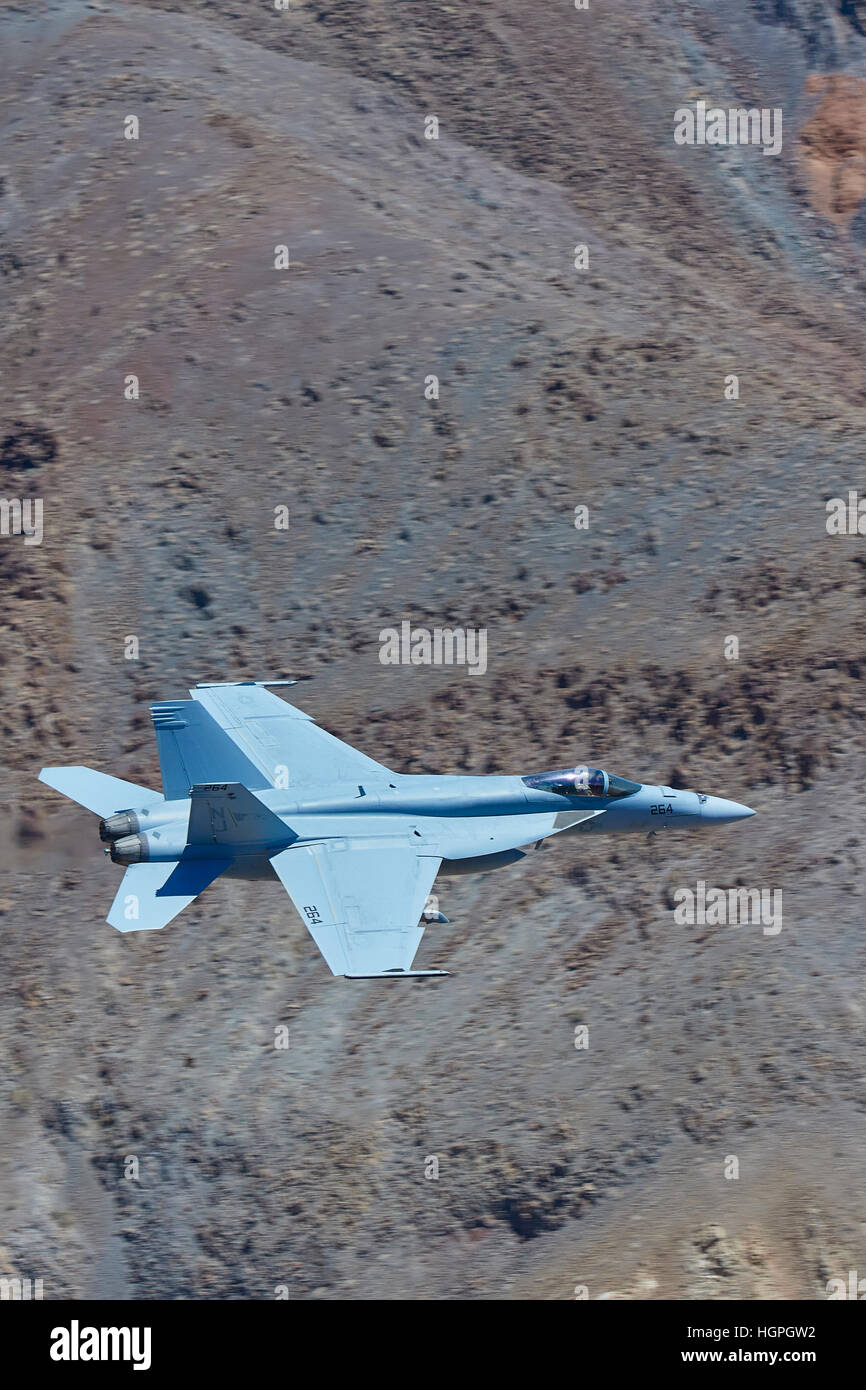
(718, 810)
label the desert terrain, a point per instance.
(304, 388)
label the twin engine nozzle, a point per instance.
(126, 846)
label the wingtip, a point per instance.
(400, 975)
(212, 685)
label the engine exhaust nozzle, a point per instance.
(131, 849)
(124, 823)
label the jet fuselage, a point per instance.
(451, 814)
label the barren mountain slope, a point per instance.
(305, 388)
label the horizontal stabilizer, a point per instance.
(96, 791)
(227, 813)
(150, 895)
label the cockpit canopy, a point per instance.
(582, 781)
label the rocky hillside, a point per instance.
(166, 389)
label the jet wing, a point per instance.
(193, 748)
(360, 900)
(274, 734)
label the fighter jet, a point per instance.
(252, 788)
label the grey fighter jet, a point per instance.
(252, 788)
